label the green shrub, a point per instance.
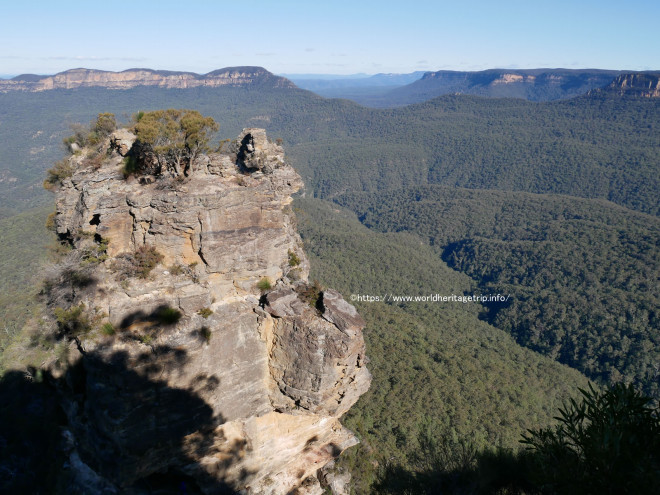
(138, 264)
(105, 124)
(60, 171)
(205, 312)
(146, 258)
(176, 270)
(94, 160)
(176, 137)
(607, 443)
(131, 166)
(75, 277)
(96, 254)
(294, 260)
(264, 284)
(108, 329)
(205, 333)
(50, 222)
(69, 140)
(79, 137)
(73, 321)
(311, 294)
(168, 316)
(93, 134)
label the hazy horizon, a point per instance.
(328, 76)
(342, 38)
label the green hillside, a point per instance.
(23, 255)
(582, 274)
(455, 196)
(435, 365)
(594, 146)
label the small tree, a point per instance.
(91, 135)
(105, 125)
(176, 137)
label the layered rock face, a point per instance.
(223, 370)
(645, 84)
(530, 84)
(85, 78)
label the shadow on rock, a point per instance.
(111, 424)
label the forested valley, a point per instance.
(554, 204)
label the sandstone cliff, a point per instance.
(85, 78)
(529, 84)
(199, 374)
(646, 85)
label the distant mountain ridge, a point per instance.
(131, 78)
(527, 84)
(377, 80)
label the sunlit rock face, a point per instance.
(131, 78)
(643, 84)
(222, 369)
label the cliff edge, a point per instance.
(199, 357)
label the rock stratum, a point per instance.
(194, 378)
(131, 78)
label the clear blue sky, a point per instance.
(333, 36)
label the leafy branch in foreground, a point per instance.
(607, 443)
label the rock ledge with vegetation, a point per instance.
(198, 354)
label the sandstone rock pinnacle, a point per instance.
(203, 358)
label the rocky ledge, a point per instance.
(221, 369)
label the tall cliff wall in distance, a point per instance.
(222, 370)
(646, 85)
(131, 78)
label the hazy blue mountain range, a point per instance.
(388, 90)
(320, 84)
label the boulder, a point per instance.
(122, 141)
(344, 315)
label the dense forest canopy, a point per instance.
(582, 273)
(598, 146)
(555, 204)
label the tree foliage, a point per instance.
(608, 443)
(581, 274)
(176, 137)
(93, 134)
(57, 173)
(105, 125)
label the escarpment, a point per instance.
(646, 85)
(132, 78)
(199, 355)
